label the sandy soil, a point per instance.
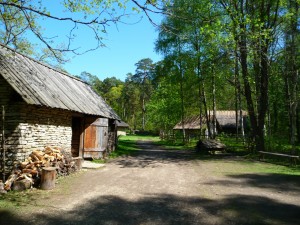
(165, 187)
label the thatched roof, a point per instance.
(192, 123)
(225, 119)
(39, 84)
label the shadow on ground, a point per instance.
(167, 210)
(152, 155)
(276, 182)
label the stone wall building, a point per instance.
(41, 106)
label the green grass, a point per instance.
(127, 145)
(16, 200)
(176, 145)
(250, 166)
(281, 145)
(167, 144)
(133, 137)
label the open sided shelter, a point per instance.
(225, 119)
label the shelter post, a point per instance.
(3, 143)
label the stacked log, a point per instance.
(28, 173)
(2, 191)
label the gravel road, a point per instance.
(157, 186)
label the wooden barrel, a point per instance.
(48, 178)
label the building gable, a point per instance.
(41, 85)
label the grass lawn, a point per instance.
(126, 144)
(133, 137)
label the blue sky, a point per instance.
(124, 47)
(126, 44)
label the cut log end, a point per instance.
(48, 178)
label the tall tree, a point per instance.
(256, 23)
(163, 110)
(131, 99)
(292, 66)
(143, 78)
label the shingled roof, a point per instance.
(39, 84)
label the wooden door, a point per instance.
(95, 137)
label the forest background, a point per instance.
(217, 55)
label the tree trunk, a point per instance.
(247, 87)
(298, 125)
(143, 113)
(199, 90)
(200, 106)
(291, 77)
(263, 99)
(236, 72)
(275, 111)
(214, 104)
(182, 106)
(206, 112)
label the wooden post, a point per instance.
(78, 162)
(48, 178)
(3, 144)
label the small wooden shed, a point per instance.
(42, 106)
(122, 127)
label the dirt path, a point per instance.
(166, 187)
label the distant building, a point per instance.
(225, 120)
(122, 127)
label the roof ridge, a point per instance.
(42, 63)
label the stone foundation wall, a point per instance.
(44, 126)
(29, 127)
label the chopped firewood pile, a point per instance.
(28, 173)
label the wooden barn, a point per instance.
(225, 120)
(41, 106)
